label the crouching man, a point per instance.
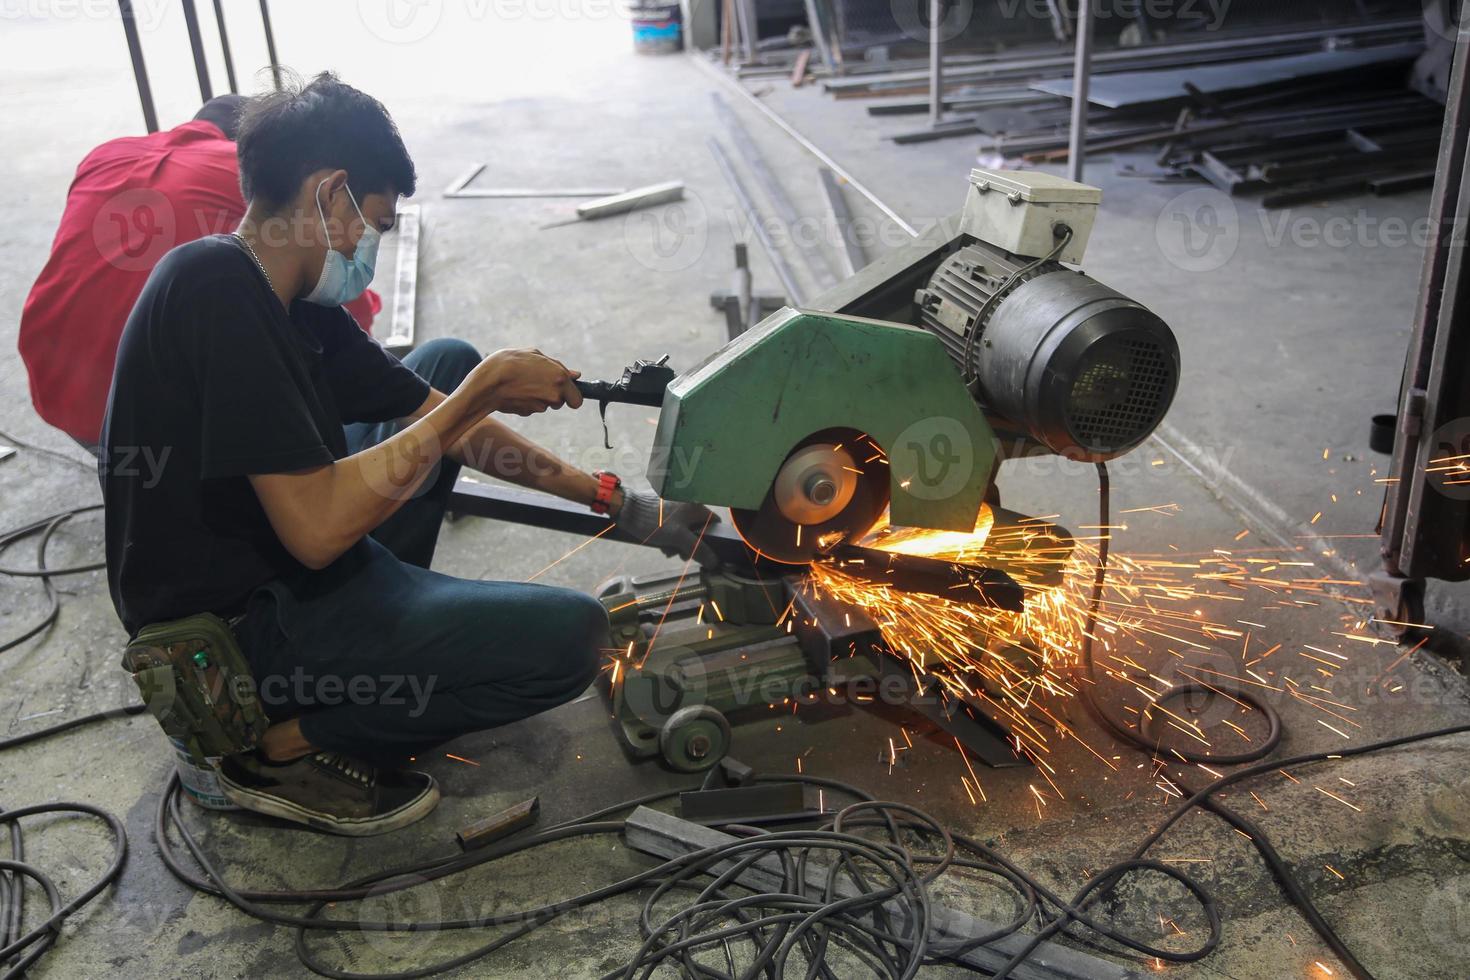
(300, 474)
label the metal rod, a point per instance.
(224, 43)
(1028, 67)
(140, 71)
(753, 218)
(746, 304)
(1081, 78)
(196, 45)
(816, 259)
(1058, 19)
(936, 62)
(405, 288)
(638, 197)
(852, 250)
(270, 43)
(748, 35)
(819, 35)
(806, 144)
(500, 502)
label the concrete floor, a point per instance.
(1289, 341)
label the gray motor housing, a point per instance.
(1081, 368)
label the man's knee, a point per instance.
(581, 636)
(444, 362)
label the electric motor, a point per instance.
(1083, 369)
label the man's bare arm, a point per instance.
(321, 512)
(497, 450)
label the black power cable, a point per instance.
(45, 527)
(17, 952)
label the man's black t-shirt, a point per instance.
(214, 381)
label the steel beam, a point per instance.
(724, 79)
(819, 35)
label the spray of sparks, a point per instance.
(1022, 668)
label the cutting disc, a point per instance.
(825, 493)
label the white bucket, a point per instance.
(200, 784)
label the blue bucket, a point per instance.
(657, 30)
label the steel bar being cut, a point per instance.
(954, 581)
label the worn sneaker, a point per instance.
(330, 792)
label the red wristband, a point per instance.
(606, 484)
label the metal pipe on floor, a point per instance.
(757, 225)
(196, 45)
(140, 71)
(1081, 77)
(224, 43)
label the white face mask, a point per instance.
(342, 279)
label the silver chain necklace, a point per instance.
(258, 264)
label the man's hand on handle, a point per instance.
(522, 381)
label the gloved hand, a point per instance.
(679, 532)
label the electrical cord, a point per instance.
(89, 466)
(16, 741)
(19, 952)
(46, 527)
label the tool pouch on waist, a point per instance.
(196, 682)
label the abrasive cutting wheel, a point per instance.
(832, 488)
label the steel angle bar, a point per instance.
(406, 280)
(816, 260)
(841, 218)
(757, 225)
(460, 187)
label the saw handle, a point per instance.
(642, 383)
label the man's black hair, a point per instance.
(224, 112)
(286, 135)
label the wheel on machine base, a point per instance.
(694, 738)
